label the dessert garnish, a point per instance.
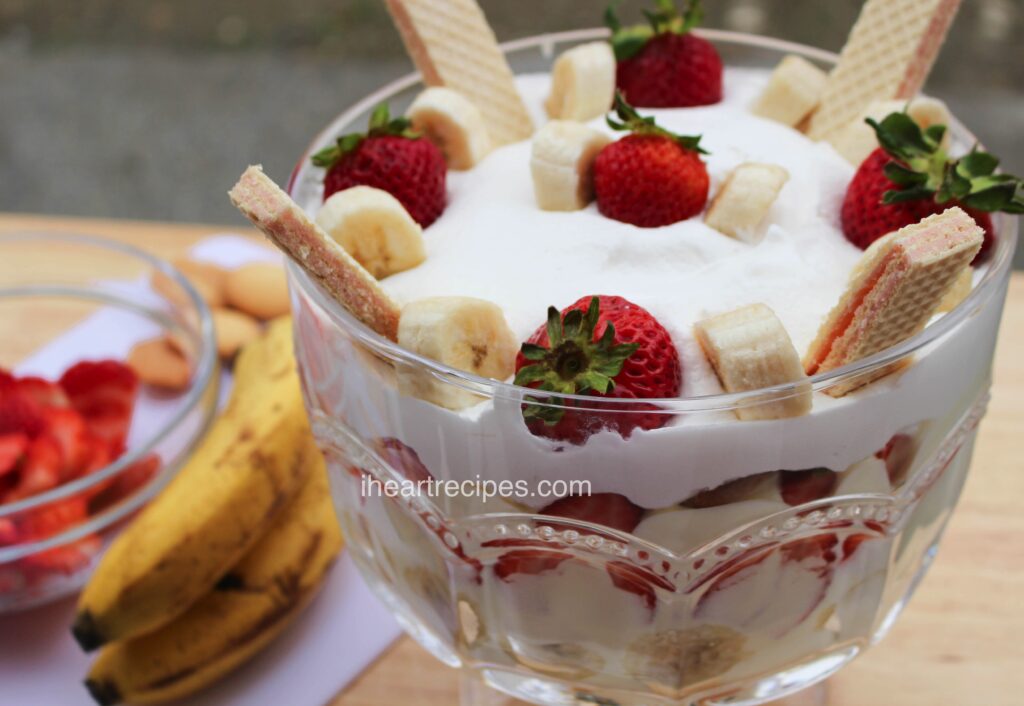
(663, 64)
(888, 55)
(282, 220)
(464, 333)
(899, 288)
(793, 91)
(452, 45)
(912, 176)
(562, 164)
(745, 198)
(374, 229)
(603, 346)
(390, 156)
(582, 83)
(651, 177)
(749, 350)
(453, 123)
(58, 432)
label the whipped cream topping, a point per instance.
(493, 242)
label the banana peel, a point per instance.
(250, 605)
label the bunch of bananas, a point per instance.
(220, 562)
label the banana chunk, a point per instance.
(582, 83)
(562, 164)
(453, 123)
(374, 228)
(858, 140)
(793, 91)
(745, 198)
(461, 332)
(749, 350)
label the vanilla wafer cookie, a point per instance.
(899, 286)
(452, 45)
(750, 350)
(888, 55)
(282, 220)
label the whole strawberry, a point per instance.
(606, 347)
(392, 157)
(664, 65)
(911, 176)
(651, 177)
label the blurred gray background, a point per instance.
(150, 109)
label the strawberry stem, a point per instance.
(924, 171)
(633, 122)
(627, 42)
(381, 123)
(574, 363)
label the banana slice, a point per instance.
(562, 164)
(744, 199)
(793, 91)
(750, 349)
(461, 332)
(374, 228)
(857, 140)
(453, 123)
(582, 83)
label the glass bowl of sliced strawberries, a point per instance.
(83, 442)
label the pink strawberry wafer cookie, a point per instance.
(452, 45)
(888, 55)
(896, 291)
(274, 213)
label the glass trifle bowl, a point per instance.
(718, 561)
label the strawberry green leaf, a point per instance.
(381, 123)
(574, 362)
(631, 121)
(627, 42)
(923, 171)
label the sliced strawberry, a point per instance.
(608, 509)
(851, 543)
(539, 558)
(898, 455)
(6, 381)
(40, 470)
(64, 560)
(799, 487)
(42, 392)
(8, 532)
(66, 426)
(402, 458)
(104, 393)
(19, 413)
(52, 519)
(638, 580)
(126, 483)
(12, 449)
(749, 596)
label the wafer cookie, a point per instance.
(888, 55)
(452, 45)
(899, 286)
(750, 350)
(274, 213)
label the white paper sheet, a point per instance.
(338, 636)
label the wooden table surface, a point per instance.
(961, 641)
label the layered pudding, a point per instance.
(736, 531)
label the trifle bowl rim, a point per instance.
(201, 387)
(996, 270)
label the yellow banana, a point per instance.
(247, 468)
(245, 611)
